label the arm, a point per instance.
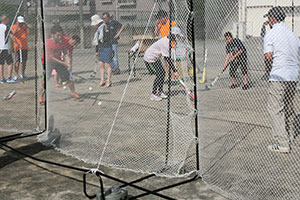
(15, 41)
(268, 62)
(268, 52)
(226, 60)
(237, 54)
(169, 62)
(157, 28)
(120, 31)
(15, 29)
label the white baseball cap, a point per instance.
(96, 19)
(21, 19)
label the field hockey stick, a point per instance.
(21, 58)
(208, 87)
(204, 69)
(187, 90)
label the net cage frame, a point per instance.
(21, 135)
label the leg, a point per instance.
(17, 68)
(290, 91)
(232, 73)
(10, 69)
(9, 61)
(24, 61)
(243, 61)
(109, 70)
(2, 60)
(63, 74)
(159, 79)
(23, 67)
(102, 75)
(1, 72)
(277, 114)
(115, 61)
(17, 65)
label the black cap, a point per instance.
(276, 12)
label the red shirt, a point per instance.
(53, 49)
(66, 45)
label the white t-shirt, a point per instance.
(3, 35)
(157, 50)
(285, 48)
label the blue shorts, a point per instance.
(105, 55)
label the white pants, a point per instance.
(281, 110)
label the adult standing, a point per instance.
(281, 49)
(103, 41)
(5, 54)
(20, 31)
(236, 55)
(116, 29)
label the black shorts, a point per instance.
(241, 61)
(61, 70)
(24, 55)
(5, 56)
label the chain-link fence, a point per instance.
(238, 113)
(127, 114)
(21, 47)
(134, 109)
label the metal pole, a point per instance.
(81, 24)
(169, 84)
(195, 82)
(293, 15)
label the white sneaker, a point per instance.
(277, 148)
(163, 95)
(11, 80)
(155, 97)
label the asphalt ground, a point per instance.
(24, 178)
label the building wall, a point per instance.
(257, 8)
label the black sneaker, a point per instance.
(233, 86)
(245, 87)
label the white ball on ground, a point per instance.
(90, 88)
(99, 103)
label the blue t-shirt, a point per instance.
(235, 46)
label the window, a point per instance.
(127, 3)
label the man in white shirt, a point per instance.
(281, 49)
(5, 54)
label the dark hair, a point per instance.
(107, 14)
(55, 29)
(228, 34)
(172, 37)
(161, 14)
(76, 38)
